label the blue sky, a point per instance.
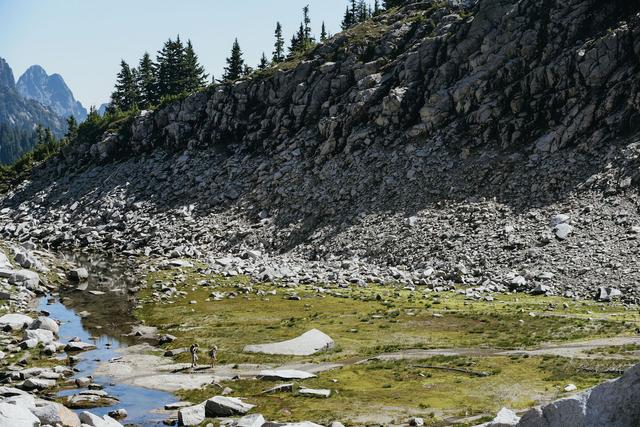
(84, 40)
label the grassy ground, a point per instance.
(369, 321)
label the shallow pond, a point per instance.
(106, 323)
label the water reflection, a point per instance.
(102, 314)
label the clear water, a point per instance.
(109, 320)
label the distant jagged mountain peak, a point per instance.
(20, 115)
(6, 75)
(50, 90)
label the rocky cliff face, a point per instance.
(51, 91)
(435, 145)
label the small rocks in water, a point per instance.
(38, 384)
(119, 413)
(78, 274)
(79, 346)
(224, 406)
(83, 382)
(95, 421)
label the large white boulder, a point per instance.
(42, 335)
(253, 420)
(224, 406)
(53, 414)
(612, 404)
(15, 321)
(191, 415)
(505, 418)
(17, 416)
(309, 343)
(95, 421)
(47, 323)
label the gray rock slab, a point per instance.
(284, 374)
(225, 406)
(309, 343)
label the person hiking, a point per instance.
(194, 355)
(213, 354)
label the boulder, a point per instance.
(79, 346)
(300, 424)
(313, 392)
(95, 421)
(38, 384)
(47, 323)
(42, 335)
(505, 418)
(17, 416)
(608, 294)
(612, 404)
(23, 400)
(27, 278)
(253, 420)
(224, 406)
(56, 414)
(562, 231)
(15, 321)
(559, 219)
(191, 415)
(285, 374)
(309, 343)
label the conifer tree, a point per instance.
(302, 40)
(72, 129)
(376, 7)
(125, 96)
(193, 75)
(278, 52)
(170, 60)
(146, 81)
(347, 21)
(323, 33)
(307, 23)
(235, 64)
(264, 62)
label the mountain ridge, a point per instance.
(437, 138)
